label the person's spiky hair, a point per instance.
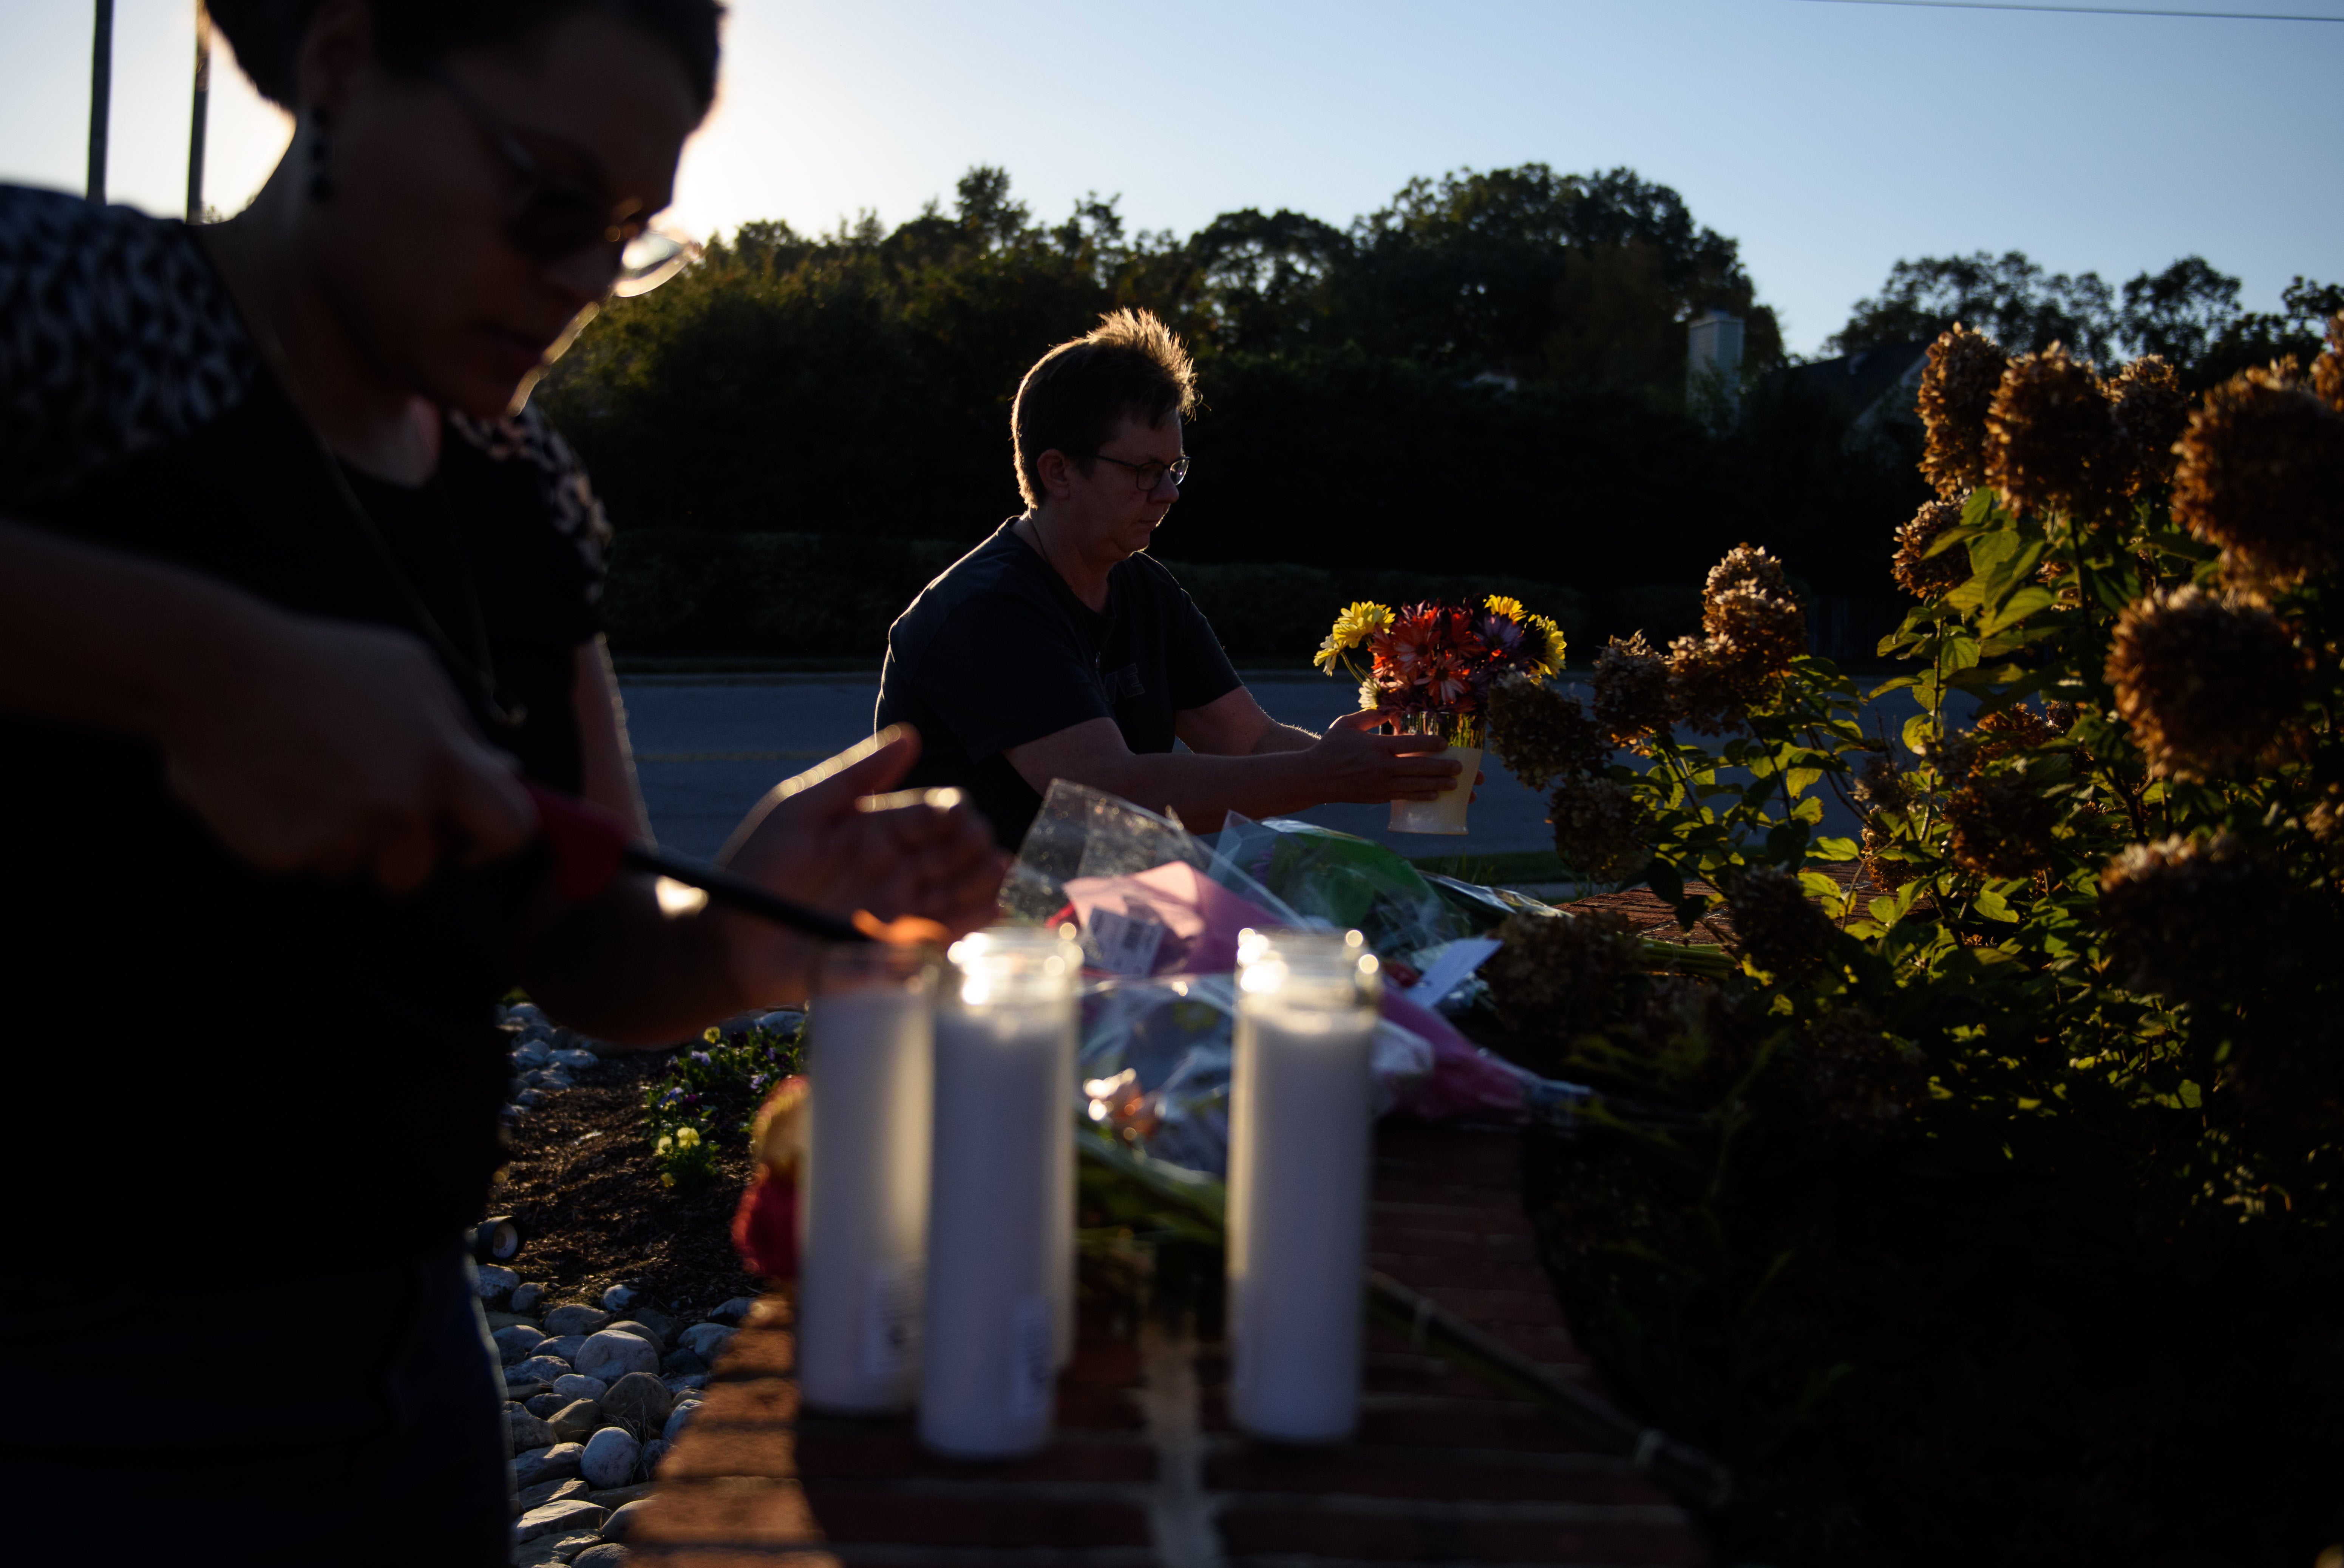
(1130, 365)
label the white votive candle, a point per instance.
(988, 1367)
(1300, 1111)
(862, 1220)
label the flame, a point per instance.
(903, 931)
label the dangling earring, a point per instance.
(321, 154)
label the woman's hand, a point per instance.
(336, 748)
(829, 838)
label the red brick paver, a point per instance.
(1146, 1473)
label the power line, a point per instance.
(2085, 10)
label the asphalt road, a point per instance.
(708, 746)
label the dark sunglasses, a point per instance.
(557, 212)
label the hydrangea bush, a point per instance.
(1996, 1196)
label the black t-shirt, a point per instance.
(218, 1069)
(999, 652)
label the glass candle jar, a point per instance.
(1001, 1205)
(1300, 1114)
(864, 1198)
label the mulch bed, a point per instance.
(591, 1212)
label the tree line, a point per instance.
(1487, 374)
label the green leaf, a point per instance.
(1666, 881)
(1994, 906)
(1917, 731)
(1836, 849)
(2026, 602)
(1788, 843)
(1884, 910)
(1809, 811)
(1799, 781)
(1822, 886)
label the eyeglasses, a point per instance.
(562, 210)
(1149, 474)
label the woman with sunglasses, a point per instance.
(292, 600)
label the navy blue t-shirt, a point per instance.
(999, 652)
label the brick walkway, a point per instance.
(1146, 1472)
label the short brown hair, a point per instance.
(1129, 364)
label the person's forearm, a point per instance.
(622, 969)
(96, 637)
(1283, 738)
(1203, 789)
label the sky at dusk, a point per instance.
(1829, 139)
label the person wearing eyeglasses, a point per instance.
(1059, 649)
(295, 594)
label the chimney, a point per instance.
(1713, 368)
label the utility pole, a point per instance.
(101, 97)
(202, 112)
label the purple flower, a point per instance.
(700, 1057)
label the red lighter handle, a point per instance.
(589, 844)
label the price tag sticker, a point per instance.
(1123, 944)
(1032, 1365)
(891, 1321)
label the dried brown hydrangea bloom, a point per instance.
(1631, 691)
(2001, 826)
(1561, 976)
(2291, 1069)
(1599, 828)
(2207, 683)
(1747, 565)
(2008, 732)
(2192, 918)
(1964, 368)
(2051, 438)
(2262, 475)
(2060, 716)
(1765, 630)
(2326, 820)
(2150, 411)
(1881, 784)
(1885, 875)
(1919, 574)
(1710, 687)
(1776, 925)
(1859, 1083)
(1693, 1031)
(2328, 370)
(1540, 734)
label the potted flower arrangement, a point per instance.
(1430, 667)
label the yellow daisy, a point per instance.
(1362, 621)
(1550, 657)
(1500, 604)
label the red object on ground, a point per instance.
(589, 844)
(765, 1226)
